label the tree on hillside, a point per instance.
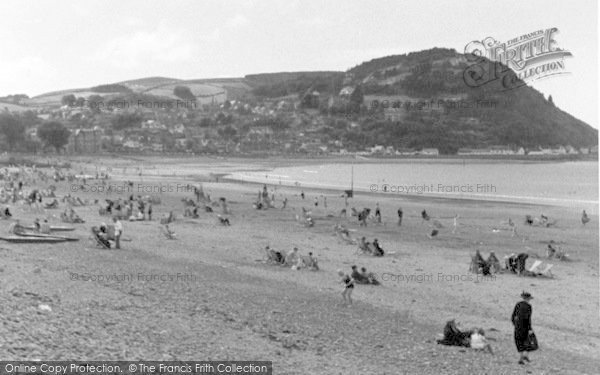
(357, 98)
(12, 128)
(95, 102)
(54, 133)
(68, 100)
(126, 120)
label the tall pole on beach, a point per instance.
(352, 180)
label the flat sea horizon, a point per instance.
(567, 183)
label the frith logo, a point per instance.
(520, 60)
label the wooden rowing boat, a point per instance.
(21, 239)
(53, 228)
(43, 235)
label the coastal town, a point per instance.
(291, 126)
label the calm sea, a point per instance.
(571, 184)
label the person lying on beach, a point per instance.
(454, 336)
(348, 286)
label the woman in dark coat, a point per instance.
(521, 319)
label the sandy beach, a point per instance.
(208, 294)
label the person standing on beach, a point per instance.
(521, 319)
(348, 286)
(284, 203)
(149, 211)
(316, 201)
(118, 232)
(302, 194)
(378, 212)
(400, 213)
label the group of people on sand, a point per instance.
(524, 337)
(133, 209)
(487, 266)
(292, 259)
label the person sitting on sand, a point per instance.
(16, 228)
(45, 227)
(292, 258)
(479, 342)
(493, 262)
(528, 220)
(369, 276)
(348, 286)
(168, 232)
(584, 218)
(364, 245)
(550, 250)
(425, 216)
(274, 255)
(7, 213)
(36, 224)
(358, 277)
(313, 263)
(378, 251)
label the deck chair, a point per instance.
(546, 271)
(535, 266)
(99, 241)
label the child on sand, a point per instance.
(348, 286)
(479, 342)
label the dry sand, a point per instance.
(227, 304)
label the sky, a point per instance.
(55, 45)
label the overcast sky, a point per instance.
(53, 45)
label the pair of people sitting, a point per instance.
(485, 267)
(365, 247)
(363, 277)
(474, 338)
(516, 263)
(69, 216)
